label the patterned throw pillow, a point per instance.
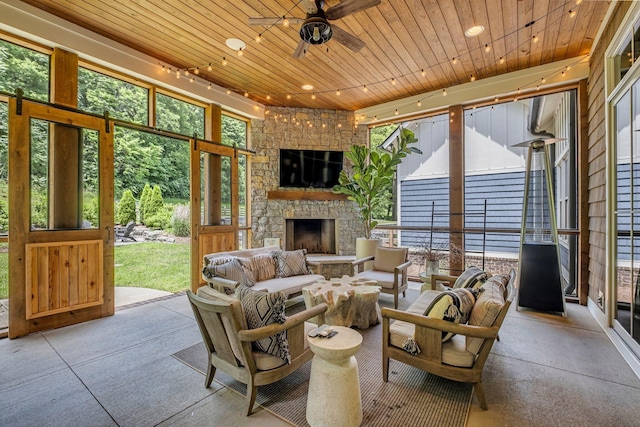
(262, 309)
(262, 266)
(208, 270)
(472, 277)
(233, 270)
(454, 305)
(290, 263)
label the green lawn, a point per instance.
(162, 266)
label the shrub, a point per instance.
(126, 208)
(181, 221)
(161, 219)
(90, 208)
(144, 199)
(153, 204)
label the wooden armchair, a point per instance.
(229, 343)
(463, 357)
(389, 270)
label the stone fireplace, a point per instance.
(317, 236)
(302, 128)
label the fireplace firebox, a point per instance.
(317, 236)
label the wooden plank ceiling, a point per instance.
(411, 46)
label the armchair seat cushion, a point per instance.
(384, 279)
(265, 361)
(399, 331)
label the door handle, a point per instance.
(108, 234)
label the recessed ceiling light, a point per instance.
(236, 44)
(307, 87)
(474, 31)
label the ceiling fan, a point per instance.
(315, 28)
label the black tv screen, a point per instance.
(309, 168)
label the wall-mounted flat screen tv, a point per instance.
(309, 168)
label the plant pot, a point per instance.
(366, 247)
(430, 267)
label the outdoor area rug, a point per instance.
(411, 397)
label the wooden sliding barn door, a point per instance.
(214, 203)
(61, 217)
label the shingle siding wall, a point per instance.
(597, 156)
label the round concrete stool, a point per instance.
(334, 387)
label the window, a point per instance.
(24, 68)
(98, 92)
(234, 132)
(179, 116)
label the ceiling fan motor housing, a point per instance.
(316, 29)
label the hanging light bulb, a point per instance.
(224, 61)
(288, 96)
(454, 60)
(285, 22)
(536, 38)
(338, 92)
(209, 87)
(393, 81)
(186, 72)
(487, 48)
(472, 78)
(396, 113)
(423, 73)
(177, 74)
(240, 52)
(246, 94)
(501, 60)
(444, 92)
(191, 80)
(572, 13)
(197, 71)
(365, 88)
(258, 38)
(209, 68)
(168, 70)
(419, 103)
(339, 125)
(268, 97)
(228, 91)
(313, 96)
(316, 34)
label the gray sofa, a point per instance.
(257, 261)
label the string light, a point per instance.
(224, 61)
(191, 80)
(472, 78)
(454, 60)
(168, 70)
(186, 72)
(197, 71)
(209, 87)
(268, 97)
(419, 103)
(423, 73)
(536, 38)
(209, 67)
(288, 96)
(228, 91)
(338, 92)
(393, 81)
(501, 60)
(572, 13)
(240, 52)
(487, 48)
(258, 38)
(396, 112)
(444, 92)
(313, 96)
(495, 99)
(246, 94)
(339, 125)
(178, 74)
(285, 22)
(365, 88)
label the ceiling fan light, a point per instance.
(316, 29)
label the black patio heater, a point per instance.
(539, 270)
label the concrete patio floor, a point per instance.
(118, 371)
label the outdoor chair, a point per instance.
(389, 270)
(124, 233)
(223, 326)
(416, 339)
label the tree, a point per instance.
(126, 208)
(144, 199)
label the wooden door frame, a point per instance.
(198, 245)
(20, 233)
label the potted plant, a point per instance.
(372, 171)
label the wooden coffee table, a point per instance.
(351, 302)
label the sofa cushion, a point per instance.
(487, 307)
(262, 309)
(290, 263)
(288, 285)
(208, 270)
(454, 305)
(262, 266)
(472, 277)
(387, 259)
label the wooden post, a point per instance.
(65, 147)
(456, 185)
(583, 192)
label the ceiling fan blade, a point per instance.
(309, 6)
(348, 7)
(301, 49)
(267, 22)
(347, 39)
